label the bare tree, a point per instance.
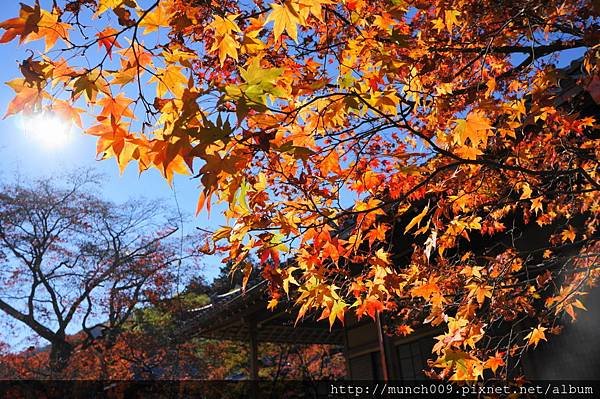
(71, 261)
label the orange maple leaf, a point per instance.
(426, 290)
(23, 25)
(26, 100)
(108, 39)
(68, 112)
(117, 107)
(404, 330)
(373, 306)
(49, 28)
(495, 361)
(330, 163)
(568, 234)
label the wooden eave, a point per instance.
(245, 314)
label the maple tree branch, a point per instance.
(29, 321)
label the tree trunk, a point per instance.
(60, 354)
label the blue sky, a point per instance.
(20, 154)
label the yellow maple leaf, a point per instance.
(525, 191)
(416, 220)
(568, 234)
(337, 311)
(475, 127)
(227, 46)
(570, 308)
(491, 86)
(480, 292)
(225, 43)
(468, 152)
(105, 5)
(169, 79)
(251, 44)
(517, 109)
(536, 335)
(177, 165)
(474, 271)
(537, 205)
(159, 17)
(438, 24)
(285, 18)
(225, 26)
(450, 18)
(312, 7)
(444, 88)
(272, 304)
(289, 280)
(382, 258)
(125, 76)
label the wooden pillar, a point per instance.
(347, 349)
(253, 350)
(253, 358)
(382, 348)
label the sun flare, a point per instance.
(47, 129)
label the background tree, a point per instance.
(337, 130)
(73, 262)
(145, 349)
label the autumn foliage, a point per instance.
(422, 159)
(149, 347)
(140, 355)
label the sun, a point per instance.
(48, 129)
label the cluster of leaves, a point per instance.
(135, 356)
(341, 133)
